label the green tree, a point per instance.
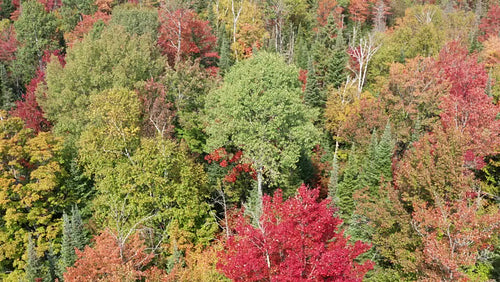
(313, 96)
(36, 32)
(33, 266)
(112, 59)
(330, 56)
(259, 109)
(68, 256)
(142, 182)
(136, 20)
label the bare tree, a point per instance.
(362, 53)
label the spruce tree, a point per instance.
(51, 273)
(312, 95)
(33, 267)
(336, 72)
(330, 56)
(225, 53)
(347, 186)
(301, 51)
(67, 250)
(78, 238)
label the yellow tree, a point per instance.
(31, 191)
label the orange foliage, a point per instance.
(111, 260)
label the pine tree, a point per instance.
(33, 266)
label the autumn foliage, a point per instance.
(112, 260)
(183, 35)
(467, 108)
(295, 240)
(8, 43)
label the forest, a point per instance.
(249, 140)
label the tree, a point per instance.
(8, 42)
(453, 234)
(142, 182)
(84, 27)
(33, 267)
(36, 32)
(411, 98)
(330, 56)
(28, 109)
(361, 56)
(297, 239)
(183, 35)
(329, 9)
(490, 24)
(32, 194)
(68, 256)
(112, 260)
(113, 58)
(259, 109)
(467, 109)
(136, 20)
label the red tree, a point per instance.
(182, 34)
(359, 10)
(111, 260)
(51, 5)
(467, 107)
(327, 8)
(296, 240)
(490, 25)
(8, 44)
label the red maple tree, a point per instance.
(490, 25)
(295, 240)
(467, 107)
(8, 44)
(182, 35)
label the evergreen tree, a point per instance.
(301, 50)
(347, 185)
(334, 179)
(78, 238)
(225, 52)
(6, 92)
(67, 250)
(312, 95)
(33, 267)
(51, 273)
(336, 72)
(330, 56)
